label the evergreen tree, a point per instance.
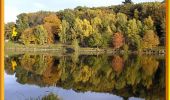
(127, 2)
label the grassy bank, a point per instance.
(32, 47)
(61, 48)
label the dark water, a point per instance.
(84, 77)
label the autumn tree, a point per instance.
(118, 40)
(150, 39)
(48, 28)
(53, 26)
(28, 37)
(83, 75)
(94, 27)
(82, 28)
(117, 64)
(149, 68)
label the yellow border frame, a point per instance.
(2, 50)
(167, 50)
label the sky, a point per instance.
(15, 7)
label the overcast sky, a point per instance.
(15, 7)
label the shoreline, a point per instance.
(87, 50)
(62, 48)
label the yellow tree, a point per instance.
(82, 28)
(14, 64)
(149, 67)
(150, 39)
(14, 33)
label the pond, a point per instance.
(33, 76)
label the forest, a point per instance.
(127, 26)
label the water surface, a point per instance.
(29, 76)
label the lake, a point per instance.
(31, 76)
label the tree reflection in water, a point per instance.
(133, 76)
(50, 96)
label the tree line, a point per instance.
(126, 26)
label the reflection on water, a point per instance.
(84, 77)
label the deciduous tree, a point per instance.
(118, 40)
(150, 39)
(41, 34)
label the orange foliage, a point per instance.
(118, 40)
(50, 38)
(53, 73)
(54, 22)
(53, 26)
(117, 64)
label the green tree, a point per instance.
(51, 96)
(69, 16)
(64, 30)
(136, 14)
(41, 34)
(75, 44)
(148, 24)
(121, 22)
(94, 40)
(96, 24)
(127, 2)
(28, 37)
(133, 34)
(163, 30)
(8, 30)
(22, 23)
